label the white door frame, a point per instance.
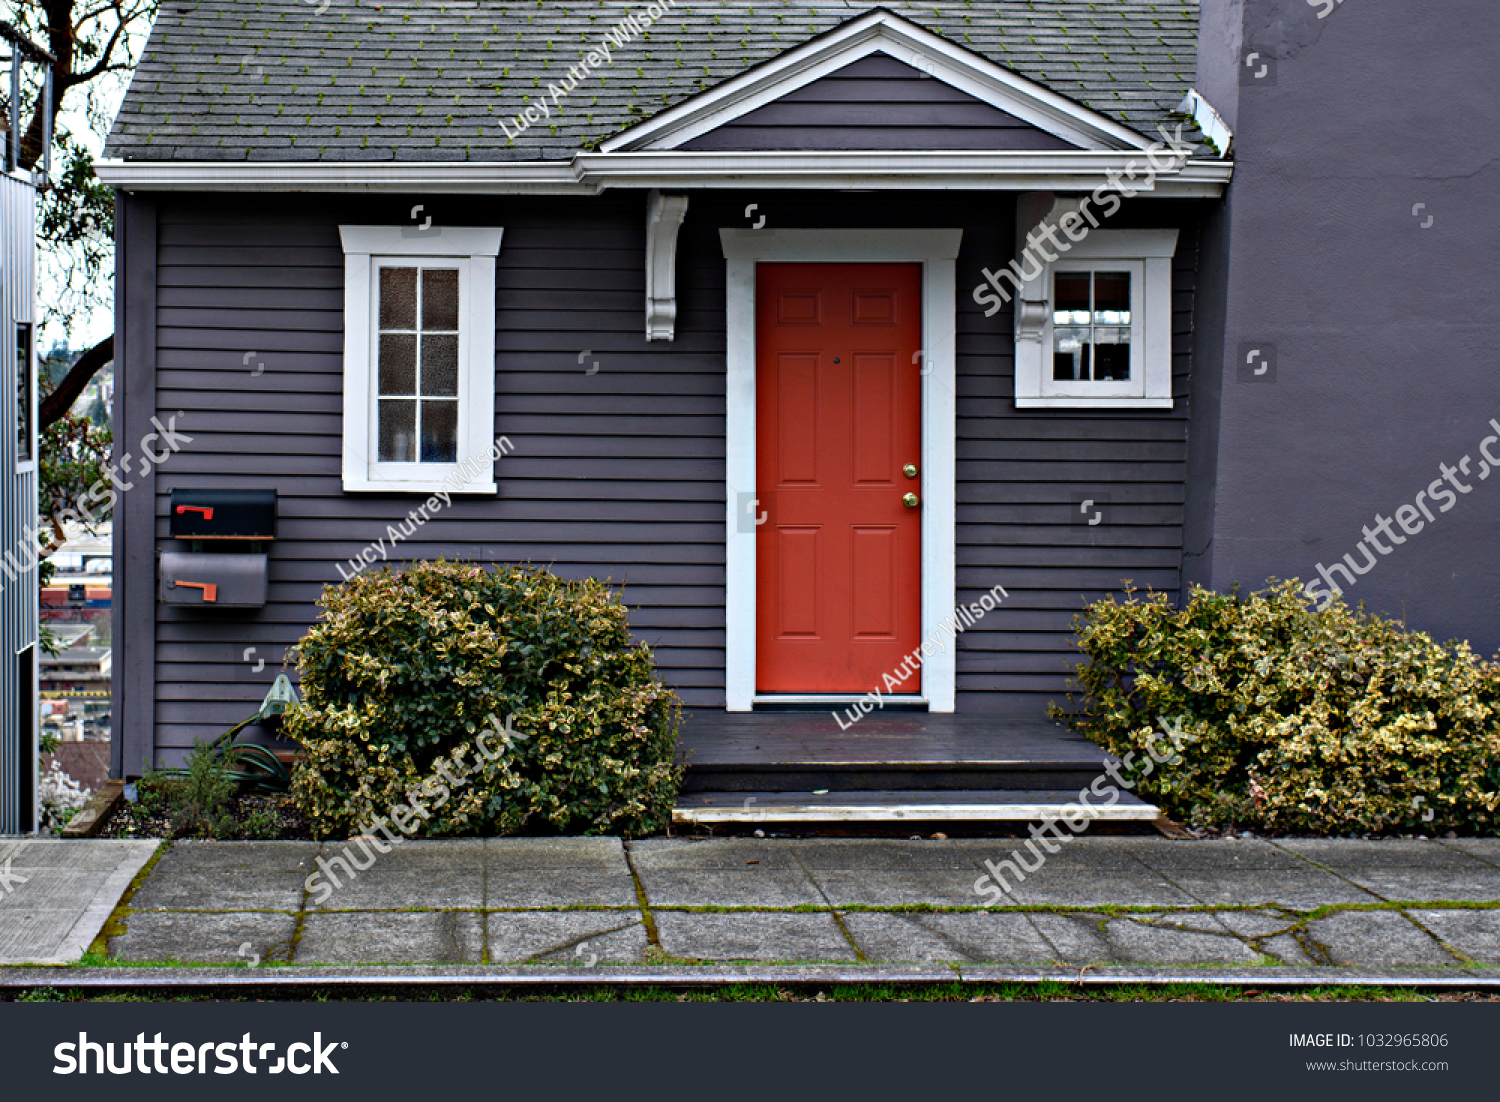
(937, 252)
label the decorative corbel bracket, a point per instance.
(1033, 211)
(664, 215)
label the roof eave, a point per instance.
(592, 173)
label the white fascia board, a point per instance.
(879, 32)
(903, 170)
(592, 173)
(481, 177)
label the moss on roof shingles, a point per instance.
(253, 76)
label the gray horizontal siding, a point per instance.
(877, 102)
(1022, 475)
(620, 474)
(617, 475)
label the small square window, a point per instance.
(1095, 326)
(1091, 327)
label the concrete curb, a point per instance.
(541, 976)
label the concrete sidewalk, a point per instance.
(577, 904)
(56, 896)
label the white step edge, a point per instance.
(831, 810)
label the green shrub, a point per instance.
(197, 799)
(1338, 721)
(406, 668)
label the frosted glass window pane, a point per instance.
(439, 432)
(440, 299)
(398, 363)
(398, 298)
(398, 431)
(439, 366)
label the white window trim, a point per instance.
(1149, 254)
(472, 250)
(937, 252)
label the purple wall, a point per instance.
(1384, 332)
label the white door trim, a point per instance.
(937, 252)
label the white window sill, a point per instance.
(1080, 402)
(433, 487)
(831, 698)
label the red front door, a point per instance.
(839, 417)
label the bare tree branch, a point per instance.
(65, 30)
(57, 404)
(103, 65)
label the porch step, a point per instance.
(894, 805)
(795, 752)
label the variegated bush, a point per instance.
(405, 667)
(1332, 722)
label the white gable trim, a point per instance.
(879, 32)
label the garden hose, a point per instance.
(247, 764)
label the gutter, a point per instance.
(594, 173)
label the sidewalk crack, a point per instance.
(833, 911)
(1330, 871)
(118, 921)
(582, 939)
(653, 935)
(1465, 853)
(484, 901)
(1463, 958)
(301, 916)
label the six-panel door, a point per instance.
(838, 456)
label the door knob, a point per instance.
(910, 470)
(911, 501)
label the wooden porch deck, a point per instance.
(916, 741)
(902, 766)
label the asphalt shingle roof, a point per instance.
(432, 80)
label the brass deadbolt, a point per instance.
(910, 470)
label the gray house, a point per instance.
(863, 345)
(18, 438)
